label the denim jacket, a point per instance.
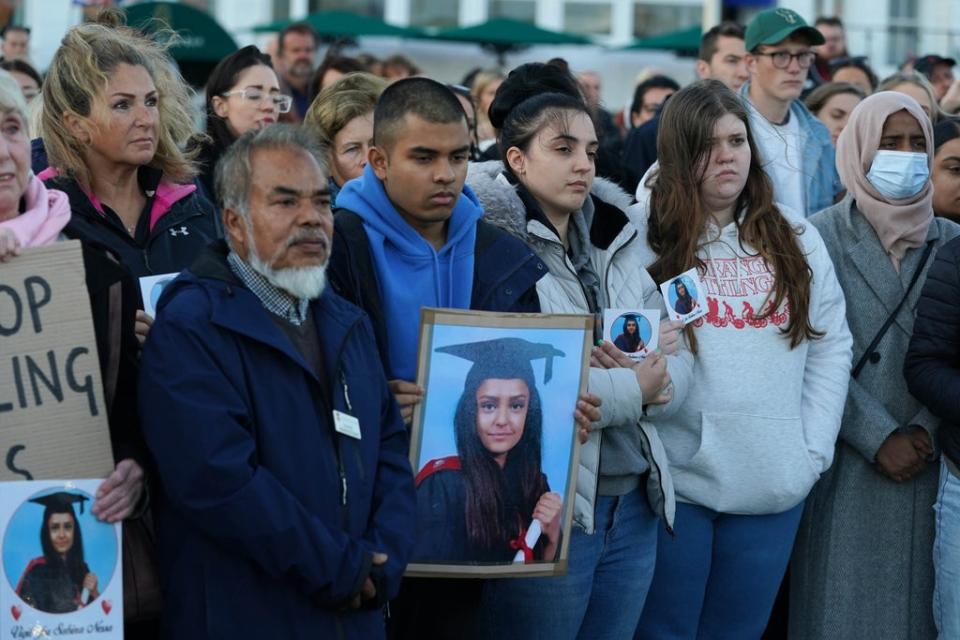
(819, 162)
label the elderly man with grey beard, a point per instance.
(286, 502)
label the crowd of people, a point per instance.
(801, 438)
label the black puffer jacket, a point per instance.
(932, 366)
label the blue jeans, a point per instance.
(718, 578)
(608, 574)
(946, 556)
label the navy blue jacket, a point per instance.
(932, 365)
(505, 273)
(267, 518)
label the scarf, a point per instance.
(900, 224)
(47, 213)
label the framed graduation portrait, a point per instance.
(494, 442)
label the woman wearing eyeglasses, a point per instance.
(115, 111)
(242, 94)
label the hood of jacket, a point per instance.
(411, 272)
(504, 208)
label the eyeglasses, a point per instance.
(282, 102)
(781, 59)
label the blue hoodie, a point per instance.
(410, 272)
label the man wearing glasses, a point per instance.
(794, 146)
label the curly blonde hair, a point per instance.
(78, 74)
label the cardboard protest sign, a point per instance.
(42, 523)
(496, 427)
(53, 422)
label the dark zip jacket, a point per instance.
(179, 221)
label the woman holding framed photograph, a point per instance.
(545, 192)
(479, 505)
(775, 328)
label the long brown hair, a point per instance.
(684, 143)
(494, 497)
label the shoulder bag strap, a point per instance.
(886, 325)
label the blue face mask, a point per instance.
(898, 175)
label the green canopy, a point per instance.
(337, 24)
(502, 35)
(201, 38)
(684, 40)
(503, 32)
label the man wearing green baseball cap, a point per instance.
(795, 147)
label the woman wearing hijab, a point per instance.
(869, 517)
(685, 302)
(477, 506)
(630, 341)
(59, 580)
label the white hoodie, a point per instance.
(761, 420)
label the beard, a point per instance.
(301, 69)
(300, 282)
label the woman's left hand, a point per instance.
(142, 326)
(608, 356)
(119, 494)
(548, 511)
(9, 245)
(586, 413)
(669, 341)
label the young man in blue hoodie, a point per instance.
(408, 235)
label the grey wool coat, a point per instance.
(862, 565)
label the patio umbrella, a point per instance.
(343, 24)
(201, 37)
(201, 41)
(503, 35)
(682, 41)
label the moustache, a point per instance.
(307, 235)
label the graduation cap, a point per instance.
(504, 358)
(61, 501)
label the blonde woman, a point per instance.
(484, 88)
(114, 116)
(342, 115)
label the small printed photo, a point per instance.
(57, 556)
(634, 332)
(684, 297)
(494, 445)
(150, 289)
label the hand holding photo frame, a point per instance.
(684, 296)
(60, 568)
(494, 443)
